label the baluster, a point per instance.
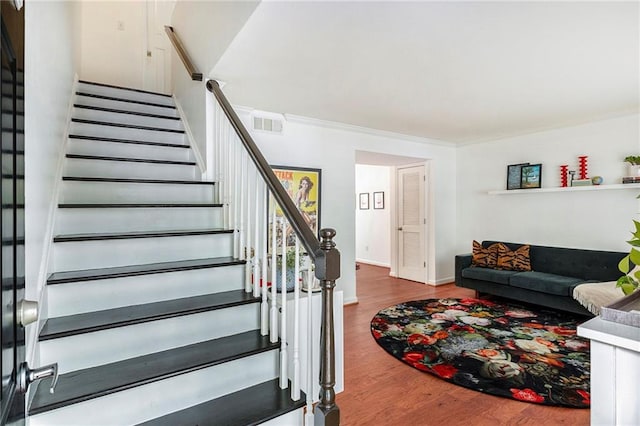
(308, 416)
(264, 305)
(236, 199)
(283, 315)
(245, 232)
(273, 323)
(224, 146)
(256, 238)
(230, 181)
(295, 382)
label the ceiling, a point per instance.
(458, 72)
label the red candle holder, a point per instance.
(563, 175)
(583, 167)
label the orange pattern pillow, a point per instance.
(513, 260)
(484, 257)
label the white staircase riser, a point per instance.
(86, 296)
(98, 348)
(116, 192)
(70, 256)
(292, 418)
(124, 94)
(114, 117)
(79, 221)
(128, 150)
(127, 169)
(159, 398)
(125, 106)
(88, 129)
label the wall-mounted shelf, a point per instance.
(635, 186)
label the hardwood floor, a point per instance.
(382, 391)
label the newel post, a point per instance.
(327, 412)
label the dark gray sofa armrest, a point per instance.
(462, 261)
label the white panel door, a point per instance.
(157, 74)
(411, 224)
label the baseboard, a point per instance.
(192, 142)
(442, 281)
(374, 263)
(43, 272)
(350, 301)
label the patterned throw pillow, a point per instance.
(517, 260)
(484, 257)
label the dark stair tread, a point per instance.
(72, 325)
(130, 160)
(247, 407)
(112, 98)
(82, 385)
(131, 141)
(129, 180)
(138, 234)
(121, 111)
(131, 89)
(136, 270)
(126, 126)
(135, 205)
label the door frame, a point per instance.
(429, 240)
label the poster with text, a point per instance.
(303, 186)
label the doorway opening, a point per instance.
(393, 216)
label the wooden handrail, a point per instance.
(182, 53)
(291, 212)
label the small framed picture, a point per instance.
(364, 201)
(378, 200)
(514, 175)
(531, 176)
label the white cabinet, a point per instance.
(615, 372)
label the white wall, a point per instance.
(51, 61)
(332, 148)
(591, 219)
(205, 28)
(373, 226)
(109, 54)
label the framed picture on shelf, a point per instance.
(514, 175)
(364, 201)
(304, 187)
(531, 176)
(378, 200)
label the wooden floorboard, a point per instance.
(382, 391)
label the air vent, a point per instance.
(265, 124)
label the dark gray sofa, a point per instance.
(555, 271)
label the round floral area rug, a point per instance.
(504, 350)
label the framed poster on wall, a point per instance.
(304, 187)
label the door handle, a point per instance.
(400, 228)
(27, 312)
(26, 376)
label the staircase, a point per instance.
(148, 317)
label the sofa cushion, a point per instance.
(545, 283)
(484, 257)
(513, 260)
(488, 274)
